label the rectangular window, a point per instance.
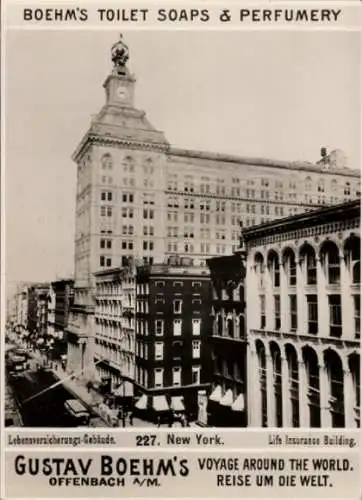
(262, 312)
(312, 305)
(177, 324)
(293, 312)
(196, 349)
(196, 326)
(109, 262)
(335, 315)
(102, 260)
(196, 370)
(109, 196)
(176, 375)
(159, 327)
(277, 312)
(159, 350)
(158, 377)
(177, 306)
(103, 243)
(357, 315)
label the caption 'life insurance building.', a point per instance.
(137, 196)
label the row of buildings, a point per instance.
(230, 282)
(40, 313)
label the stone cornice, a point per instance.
(91, 139)
(318, 222)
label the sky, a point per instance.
(276, 94)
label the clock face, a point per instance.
(121, 93)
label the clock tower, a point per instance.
(120, 83)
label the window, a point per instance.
(293, 312)
(262, 311)
(102, 260)
(196, 326)
(159, 350)
(311, 265)
(159, 284)
(291, 269)
(331, 264)
(274, 270)
(176, 375)
(312, 306)
(196, 370)
(177, 324)
(158, 377)
(103, 243)
(196, 345)
(357, 315)
(109, 262)
(177, 350)
(335, 315)
(177, 306)
(277, 312)
(159, 326)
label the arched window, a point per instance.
(352, 251)
(347, 189)
(259, 269)
(311, 266)
(273, 264)
(308, 183)
(219, 325)
(321, 186)
(331, 261)
(230, 328)
(290, 267)
(107, 161)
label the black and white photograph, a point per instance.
(182, 228)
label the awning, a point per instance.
(177, 403)
(239, 403)
(216, 394)
(124, 390)
(159, 403)
(227, 399)
(142, 403)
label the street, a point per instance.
(47, 409)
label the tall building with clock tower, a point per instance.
(119, 201)
(138, 197)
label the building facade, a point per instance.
(139, 197)
(172, 327)
(61, 298)
(227, 402)
(21, 306)
(38, 296)
(115, 327)
(303, 296)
